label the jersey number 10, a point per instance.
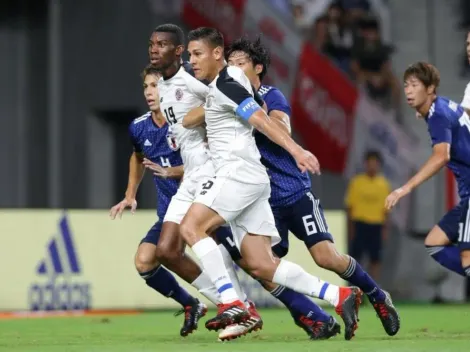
(170, 115)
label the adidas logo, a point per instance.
(147, 143)
(56, 288)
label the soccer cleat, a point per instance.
(192, 314)
(228, 314)
(388, 315)
(234, 331)
(318, 330)
(348, 309)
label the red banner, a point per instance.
(225, 15)
(323, 109)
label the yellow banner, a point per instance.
(80, 259)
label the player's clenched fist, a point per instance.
(119, 208)
(307, 161)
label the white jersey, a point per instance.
(230, 136)
(466, 98)
(178, 95)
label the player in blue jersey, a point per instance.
(449, 128)
(149, 137)
(294, 206)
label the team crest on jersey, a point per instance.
(179, 94)
(171, 140)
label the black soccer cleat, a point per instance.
(228, 314)
(192, 314)
(348, 309)
(388, 315)
(318, 330)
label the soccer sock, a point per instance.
(293, 276)
(358, 277)
(161, 280)
(206, 288)
(448, 257)
(299, 305)
(213, 262)
(229, 265)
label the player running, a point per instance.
(179, 93)
(149, 138)
(294, 206)
(238, 193)
(449, 127)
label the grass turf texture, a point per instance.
(424, 328)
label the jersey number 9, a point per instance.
(170, 116)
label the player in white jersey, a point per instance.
(179, 93)
(466, 98)
(238, 193)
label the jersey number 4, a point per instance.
(170, 115)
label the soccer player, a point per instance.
(449, 128)
(238, 193)
(466, 99)
(179, 93)
(149, 137)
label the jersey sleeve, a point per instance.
(440, 129)
(133, 137)
(466, 98)
(198, 88)
(275, 100)
(237, 94)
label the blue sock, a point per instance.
(162, 281)
(448, 257)
(358, 277)
(299, 305)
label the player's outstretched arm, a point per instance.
(176, 172)
(194, 118)
(136, 173)
(266, 125)
(439, 158)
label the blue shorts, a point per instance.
(456, 224)
(367, 239)
(225, 237)
(153, 235)
(305, 220)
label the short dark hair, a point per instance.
(255, 50)
(178, 34)
(149, 70)
(425, 72)
(373, 154)
(213, 36)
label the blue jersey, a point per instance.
(448, 123)
(154, 143)
(288, 183)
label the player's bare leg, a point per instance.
(198, 222)
(260, 261)
(326, 256)
(161, 280)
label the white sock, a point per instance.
(205, 286)
(213, 263)
(293, 276)
(233, 275)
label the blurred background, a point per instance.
(70, 85)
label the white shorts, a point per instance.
(244, 206)
(187, 191)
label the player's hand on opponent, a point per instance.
(307, 161)
(156, 169)
(395, 196)
(119, 208)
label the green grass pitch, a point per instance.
(424, 328)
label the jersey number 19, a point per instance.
(170, 115)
